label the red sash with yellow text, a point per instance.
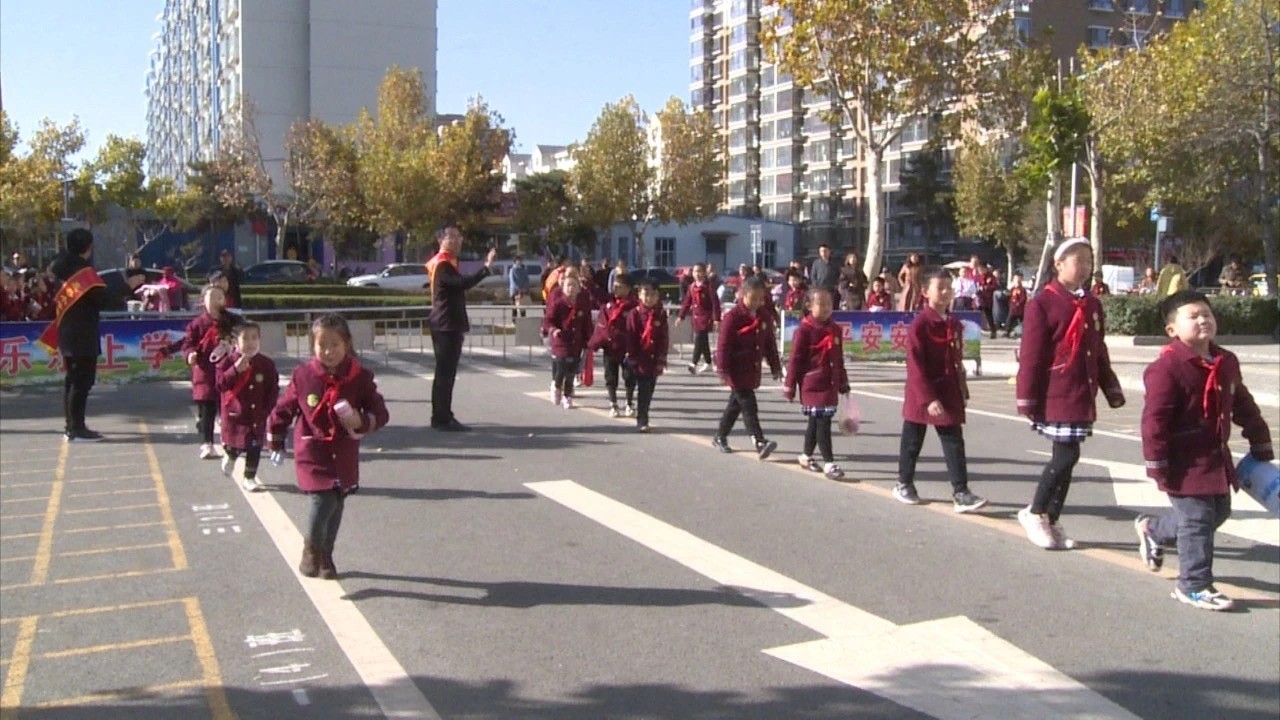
(75, 288)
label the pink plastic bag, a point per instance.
(850, 416)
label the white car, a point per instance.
(397, 276)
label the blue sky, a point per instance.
(547, 66)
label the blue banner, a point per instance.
(882, 335)
(132, 351)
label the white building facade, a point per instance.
(725, 241)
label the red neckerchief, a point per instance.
(243, 380)
(947, 339)
(828, 343)
(646, 336)
(212, 336)
(752, 326)
(1070, 346)
(1210, 401)
(332, 387)
(697, 289)
(617, 309)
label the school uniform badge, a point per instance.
(313, 400)
(258, 377)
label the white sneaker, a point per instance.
(693, 369)
(808, 463)
(566, 403)
(614, 411)
(577, 381)
(227, 465)
(251, 485)
(1037, 527)
(1060, 539)
(702, 367)
(832, 471)
(629, 410)
(555, 394)
(207, 452)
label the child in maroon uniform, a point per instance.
(935, 395)
(1017, 304)
(1194, 393)
(335, 402)
(647, 344)
(817, 369)
(611, 337)
(568, 322)
(1062, 365)
(793, 300)
(206, 342)
(702, 302)
(249, 385)
(987, 285)
(879, 299)
(746, 338)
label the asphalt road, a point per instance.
(558, 564)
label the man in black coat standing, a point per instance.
(84, 296)
(235, 276)
(448, 322)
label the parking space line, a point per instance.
(8, 473)
(114, 576)
(112, 492)
(118, 548)
(176, 549)
(109, 479)
(101, 528)
(18, 500)
(44, 551)
(148, 642)
(104, 467)
(86, 511)
(25, 558)
(20, 662)
(8, 486)
(133, 693)
(200, 637)
(111, 608)
(19, 536)
(23, 516)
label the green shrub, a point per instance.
(326, 290)
(1140, 315)
(312, 302)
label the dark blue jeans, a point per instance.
(324, 516)
(1191, 525)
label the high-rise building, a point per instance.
(290, 59)
(786, 163)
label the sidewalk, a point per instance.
(1259, 363)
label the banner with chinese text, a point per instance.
(132, 351)
(882, 335)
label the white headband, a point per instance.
(1064, 247)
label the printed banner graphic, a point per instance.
(882, 335)
(132, 351)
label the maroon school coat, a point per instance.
(703, 303)
(647, 357)
(935, 371)
(986, 289)
(882, 300)
(204, 332)
(1055, 385)
(324, 452)
(816, 366)
(744, 341)
(793, 300)
(247, 399)
(611, 329)
(1017, 301)
(1186, 447)
(569, 325)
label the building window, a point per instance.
(784, 184)
(1108, 5)
(814, 124)
(784, 129)
(784, 100)
(767, 77)
(739, 8)
(695, 49)
(766, 131)
(783, 211)
(1175, 8)
(767, 105)
(738, 112)
(1141, 7)
(782, 156)
(664, 251)
(737, 189)
(738, 35)
(1099, 37)
(770, 258)
(768, 186)
(1022, 27)
(695, 73)
(738, 163)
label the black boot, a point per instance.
(310, 565)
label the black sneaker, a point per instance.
(965, 501)
(906, 494)
(765, 448)
(83, 435)
(1148, 549)
(721, 443)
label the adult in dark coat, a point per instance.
(78, 339)
(823, 273)
(448, 322)
(234, 276)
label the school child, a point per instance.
(1063, 364)
(703, 304)
(568, 322)
(11, 306)
(793, 299)
(1100, 287)
(935, 395)
(249, 386)
(1194, 392)
(335, 402)
(206, 342)
(746, 338)
(1017, 304)
(647, 345)
(817, 369)
(879, 299)
(610, 336)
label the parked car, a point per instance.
(396, 276)
(495, 288)
(118, 289)
(277, 272)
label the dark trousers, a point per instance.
(645, 385)
(1055, 481)
(990, 320)
(324, 516)
(206, 412)
(742, 402)
(701, 347)
(1191, 525)
(82, 372)
(448, 350)
(952, 439)
(817, 434)
(563, 371)
(1013, 323)
(252, 457)
(612, 369)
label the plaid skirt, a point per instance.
(818, 411)
(1064, 431)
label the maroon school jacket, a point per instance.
(1055, 382)
(611, 329)
(1186, 421)
(935, 348)
(816, 366)
(647, 340)
(793, 300)
(1017, 301)
(324, 452)
(204, 333)
(703, 303)
(986, 289)
(569, 325)
(247, 399)
(882, 300)
(744, 341)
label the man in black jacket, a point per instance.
(78, 340)
(448, 323)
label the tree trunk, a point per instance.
(1053, 225)
(1095, 206)
(1008, 253)
(1267, 219)
(875, 222)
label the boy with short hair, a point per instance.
(746, 338)
(793, 298)
(879, 299)
(1194, 392)
(1017, 304)
(701, 302)
(647, 344)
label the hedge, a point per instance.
(1140, 315)
(326, 290)
(310, 302)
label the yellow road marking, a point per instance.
(111, 608)
(118, 548)
(113, 576)
(162, 498)
(24, 516)
(16, 678)
(104, 467)
(109, 479)
(133, 693)
(44, 551)
(208, 661)
(18, 500)
(86, 511)
(148, 642)
(112, 492)
(100, 528)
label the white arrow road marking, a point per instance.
(945, 668)
(1134, 489)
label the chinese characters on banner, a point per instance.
(132, 350)
(882, 335)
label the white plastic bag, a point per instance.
(849, 415)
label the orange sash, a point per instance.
(75, 288)
(434, 263)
